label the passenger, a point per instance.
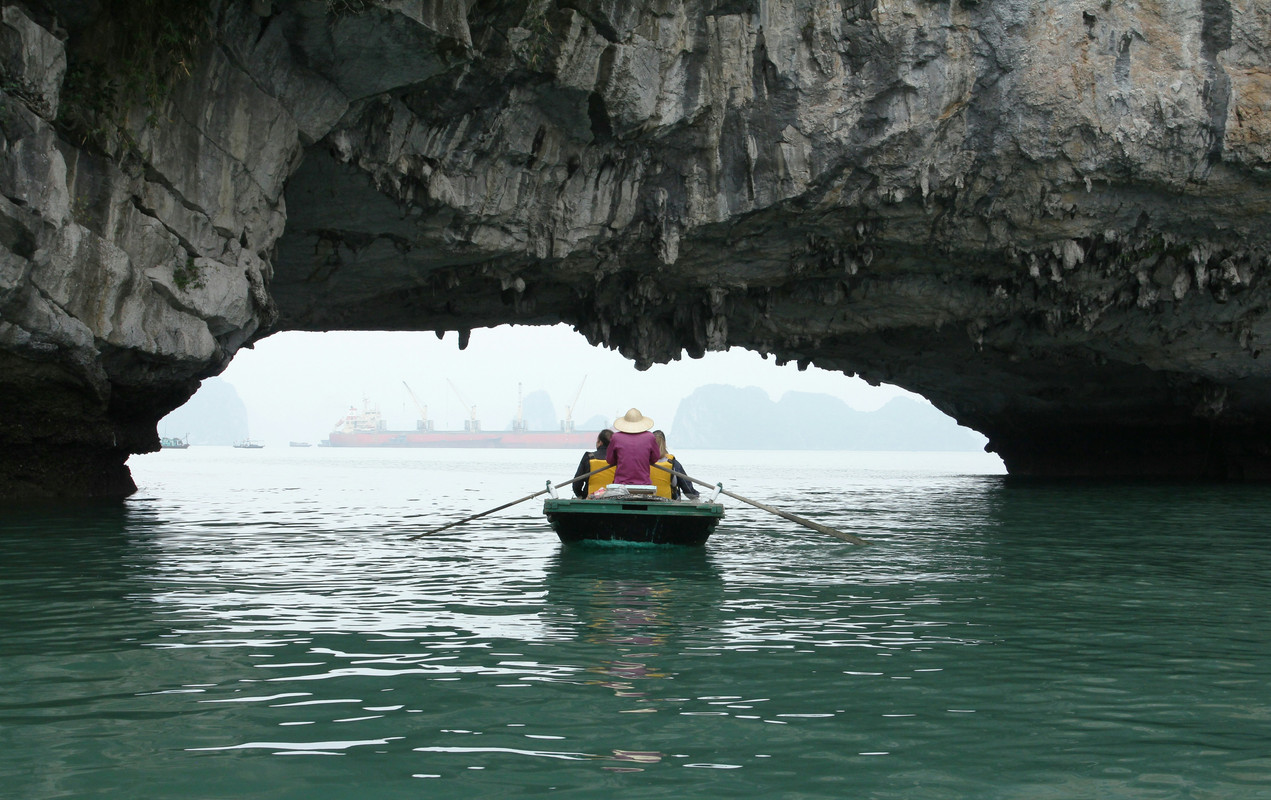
(660, 475)
(632, 449)
(680, 484)
(594, 460)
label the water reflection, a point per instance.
(637, 609)
(68, 576)
(637, 598)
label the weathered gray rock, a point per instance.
(1050, 220)
(32, 61)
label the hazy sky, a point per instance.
(298, 385)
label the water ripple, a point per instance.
(996, 640)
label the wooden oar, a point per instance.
(807, 523)
(514, 502)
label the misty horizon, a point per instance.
(298, 386)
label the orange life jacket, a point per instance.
(661, 478)
(601, 479)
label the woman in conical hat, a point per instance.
(633, 449)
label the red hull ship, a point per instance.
(366, 428)
(526, 439)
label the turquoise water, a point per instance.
(258, 624)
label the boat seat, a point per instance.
(633, 488)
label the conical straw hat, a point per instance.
(633, 422)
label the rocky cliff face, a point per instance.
(1049, 218)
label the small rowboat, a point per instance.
(637, 518)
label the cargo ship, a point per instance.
(366, 428)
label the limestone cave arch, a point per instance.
(1051, 227)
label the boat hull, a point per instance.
(632, 520)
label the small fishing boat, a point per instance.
(635, 514)
(639, 517)
(174, 442)
(248, 444)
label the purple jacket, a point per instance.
(633, 453)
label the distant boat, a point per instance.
(174, 442)
(248, 444)
(298, 444)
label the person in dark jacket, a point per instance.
(584, 466)
(680, 485)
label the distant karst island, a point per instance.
(732, 418)
(215, 414)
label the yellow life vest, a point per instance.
(601, 479)
(661, 478)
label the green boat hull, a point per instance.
(632, 520)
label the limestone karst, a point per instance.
(1050, 219)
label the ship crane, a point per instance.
(423, 423)
(518, 424)
(567, 424)
(471, 424)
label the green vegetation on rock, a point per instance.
(129, 58)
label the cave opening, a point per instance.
(297, 387)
